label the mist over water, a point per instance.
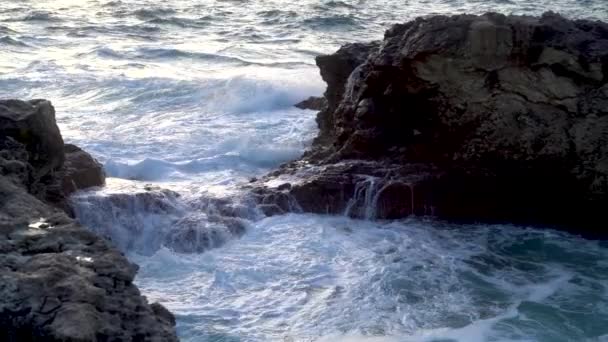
(196, 97)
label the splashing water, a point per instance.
(184, 100)
(365, 197)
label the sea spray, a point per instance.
(309, 277)
(365, 198)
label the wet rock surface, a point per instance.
(59, 281)
(142, 218)
(469, 118)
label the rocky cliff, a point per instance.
(488, 118)
(59, 281)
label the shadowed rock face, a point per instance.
(508, 113)
(80, 170)
(32, 151)
(33, 124)
(59, 281)
(335, 70)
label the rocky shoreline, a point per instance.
(58, 280)
(468, 118)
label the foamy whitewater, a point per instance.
(195, 97)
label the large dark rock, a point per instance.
(80, 170)
(58, 280)
(199, 233)
(32, 124)
(511, 113)
(33, 153)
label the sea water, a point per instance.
(196, 96)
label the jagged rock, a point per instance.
(511, 113)
(32, 124)
(335, 70)
(59, 281)
(313, 103)
(32, 153)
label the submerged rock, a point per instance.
(199, 233)
(140, 218)
(58, 280)
(508, 115)
(133, 219)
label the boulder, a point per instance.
(80, 170)
(509, 112)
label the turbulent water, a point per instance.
(196, 96)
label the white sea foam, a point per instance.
(308, 277)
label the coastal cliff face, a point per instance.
(59, 281)
(468, 118)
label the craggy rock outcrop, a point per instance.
(507, 115)
(59, 281)
(33, 151)
(335, 70)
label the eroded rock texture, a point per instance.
(507, 114)
(59, 281)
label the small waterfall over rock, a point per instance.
(364, 202)
(144, 219)
(381, 198)
(356, 189)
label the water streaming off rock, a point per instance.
(184, 100)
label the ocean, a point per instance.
(196, 97)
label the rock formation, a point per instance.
(313, 103)
(143, 218)
(488, 118)
(59, 281)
